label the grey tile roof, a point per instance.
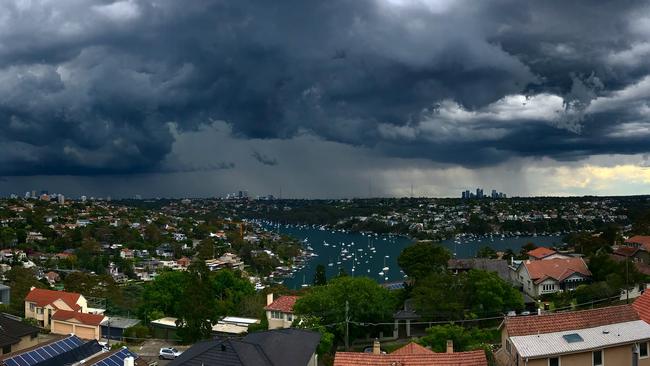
(12, 330)
(286, 347)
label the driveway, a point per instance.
(149, 349)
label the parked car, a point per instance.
(168, 353)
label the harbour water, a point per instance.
(375, 256)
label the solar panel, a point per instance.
(116, 359)
(572, 338)
(44, 353)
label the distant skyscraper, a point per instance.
(83, 198)
(479, 192)
(61, 199)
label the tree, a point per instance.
(487, 252)
(490, 295)
(230, 290)
(205, 249)
(464, 339)
(21, 280)
(198, 308)
(423, 258)
(161, 297)
(440, 296)
(320, 278)
(368, 302)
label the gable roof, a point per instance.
(12, 330)
(43, 297)
(556, 343)
(270, 348)
(84, 318)
(541, 252)
(571, 320)
(641, 240)
(473, 358)
(412, 349)
(642, 306)
(558, 269)
(283, 303)
(625, 251)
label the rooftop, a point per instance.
(412, 355)
(541, 252)
(84, 318)
(549, 344)
(43, 297)
(571, 320)
(283, 303)
(558, 269)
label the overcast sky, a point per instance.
(324, 99)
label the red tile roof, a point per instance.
(641, 240)
(625, 251)
(642, 306)
(472, 358)
(412, 349)
(85, 318)
(283, 304)
(541, 252)
(558, 269)
(44, 297)
(560, 322)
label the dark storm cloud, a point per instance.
(94, 87)
(264, 159)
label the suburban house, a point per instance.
(279, 312)
(63, 312)
(613, 335)
(639, 241)
(539, 277)
(500, 266)
(83, 325)
(16, 335)
(411, 354)
(287, 347)
(113, 327)
(542, 253)
(67, 350)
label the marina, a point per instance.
(374, 255)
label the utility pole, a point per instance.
(627, 284)
(347, 325)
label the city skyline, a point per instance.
(349, 99)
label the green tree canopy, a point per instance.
(466, 295)
(422, 258)
(368, 303)
(197, 307)
(320, 278)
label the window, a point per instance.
(598, 358)
(31, 307)
(555, 361)
(508, 349)
(290, 317)
(276, 315)
(643, 350)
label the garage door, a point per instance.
(61, 328)
(85, 332)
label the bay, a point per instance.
(366, 254)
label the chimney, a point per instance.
(129, 361)
(376, 347)
(269, 299)
(450, 346)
